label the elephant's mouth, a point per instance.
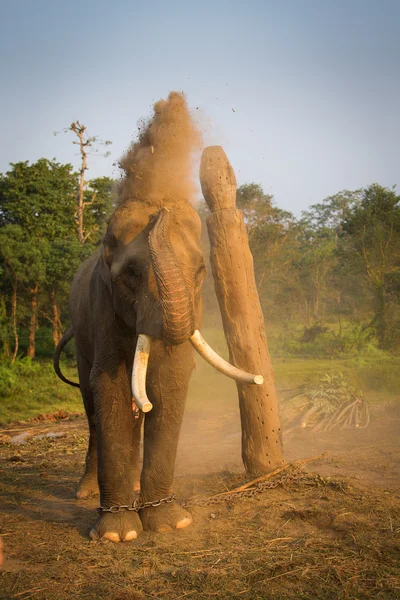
(142, 354)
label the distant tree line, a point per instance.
(338, 264)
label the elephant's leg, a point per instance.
(88, 485)
(115, 449)
(167, 383)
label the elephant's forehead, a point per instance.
(185, 228)
(185, 240)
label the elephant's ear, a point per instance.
(104, 269)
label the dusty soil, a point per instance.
(332, 535)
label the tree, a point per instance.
(20, 264)
(60, 268)
(332, 211)
(370, 244)
(322, 225)
(37, 203)
(272, 233)
(85, 143)
(310, 274)
(40, 199)
(101, 190)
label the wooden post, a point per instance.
(232, 267)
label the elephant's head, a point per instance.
(153, 266)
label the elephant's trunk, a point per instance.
(175, 298)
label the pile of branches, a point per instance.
(330, 403)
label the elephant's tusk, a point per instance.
(220, 364)
(139, 372)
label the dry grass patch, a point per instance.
(307, 538)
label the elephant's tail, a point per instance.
(68, 335)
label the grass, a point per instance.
(40, 392)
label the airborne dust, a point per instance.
(159, 168)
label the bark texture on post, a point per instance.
(232, 267)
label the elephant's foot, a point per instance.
(88, 487)
(117, 527)
(165, 517)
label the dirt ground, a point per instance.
(332, 531)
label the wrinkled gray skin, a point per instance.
(145, 279)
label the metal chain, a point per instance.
(136, 506)
(250, 492)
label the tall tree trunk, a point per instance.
(55, 318)
(33, 322)
(79, 130)
(14, 323)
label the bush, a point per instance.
(328, 344)
(10, 374)
(25, 367)
(8, 379)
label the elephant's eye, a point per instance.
(132, 270)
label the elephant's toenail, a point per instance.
(184, 523)
(164, 529)
(113, 536)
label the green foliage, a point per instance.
(39, 247)
(10, 374)
(8, 379)
(340, 260)
(39, 197)
(25, 367)
(370, 247)
(99, 196)
(330, 392)
(356, 340)
(28, 389)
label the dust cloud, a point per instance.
(158, 168)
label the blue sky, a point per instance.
(304, 95)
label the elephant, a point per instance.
(136, 311)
